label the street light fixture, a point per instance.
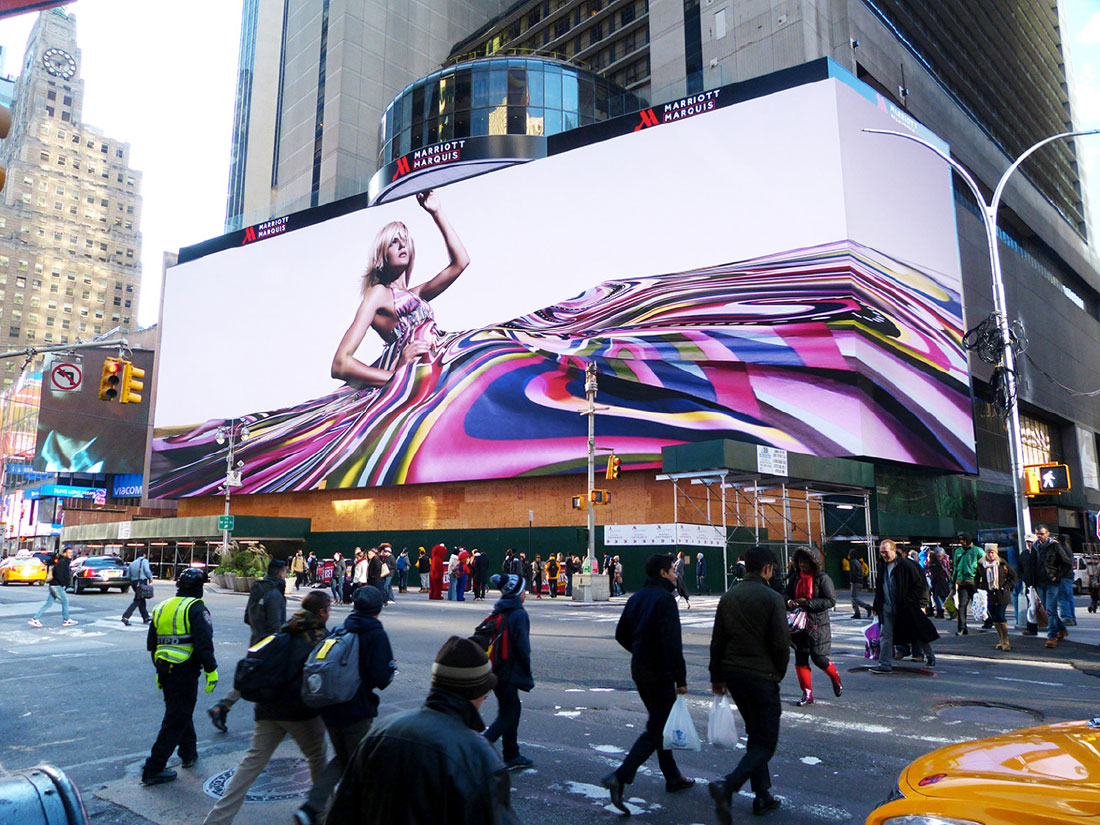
(232, 433)
(1008, 354)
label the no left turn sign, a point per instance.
(66, 377)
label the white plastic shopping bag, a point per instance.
(978, 606)
(721, 723)
(680, 731)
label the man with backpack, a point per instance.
(506, 635)
(265, 613)
(349, 721)
(274, 672)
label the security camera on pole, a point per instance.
(233, 433)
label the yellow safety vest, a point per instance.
(173, 628)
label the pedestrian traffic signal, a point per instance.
(613, 462)
(131, 384)
(1045, 479)
(601, 496)
(109, 381)
(578, 502)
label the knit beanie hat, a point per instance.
(462, 667)
(509, 584)
(368, 600)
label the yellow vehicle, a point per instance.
(1049, 775)
(22, 567)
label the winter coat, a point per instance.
(266, 609)
(1055, 563)
(376, 669)
(423, 563)
(910, 623)
(306, 630)
(458, 776)
(818, 637)
(964, 565)
(1002, 594)
(940, 575)
(516, 670)
(750, 634)
(649, 628)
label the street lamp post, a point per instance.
(1008, 355)
(233, 433)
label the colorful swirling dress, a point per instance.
(834, 351)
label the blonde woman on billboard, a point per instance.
(400, 314)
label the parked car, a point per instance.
(22, 567)
(1083, 572)
(99, 571)
(1047, 774)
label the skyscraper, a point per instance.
(70, 244)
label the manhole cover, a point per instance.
(281, 779)
(998, 713)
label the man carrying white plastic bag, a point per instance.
(749, 654)
(721, 724)
(650, 629)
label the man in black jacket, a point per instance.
(287, 715)
(513, 672)
(60, 578)
(481, 574)
(1055, 563)
(649, 629)
(265, 613)
(348, 722)
(459, 780)
(749, 654)
(1027, 571)
(901, 594)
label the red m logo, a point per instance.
(648, 119)
(249, 235)
(402, 168)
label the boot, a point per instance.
(807, 698)
(1002, 629)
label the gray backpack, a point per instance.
(331, 673)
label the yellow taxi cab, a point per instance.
(1048, 775)
(22, 567)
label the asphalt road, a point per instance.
(83, 699)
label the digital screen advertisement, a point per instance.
(78, 432)
(767, 272)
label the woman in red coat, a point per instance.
(439, 566)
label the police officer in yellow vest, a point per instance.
(181, 642)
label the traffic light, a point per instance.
(132, 384)
(113, 369)
(1046, 479)
(5, 127)
(601, 496)
(613, 462)
(578, 502)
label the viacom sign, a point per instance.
(128, 485)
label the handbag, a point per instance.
(144, 590)
(721, 723)
(873, 636)
(679, 732)
(796, 620)
(385, 571)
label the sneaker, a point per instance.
(126, 622)
(880, 669)
(519, 763)
(35, 623)
(158, 778)
(69, 622)
(721, 794)
(762, 804)
(218, 714)
(931, 663)
(615, 786)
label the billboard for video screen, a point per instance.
(80, 433)
(765, 271)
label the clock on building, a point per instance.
(59, 63)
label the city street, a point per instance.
(83, 699)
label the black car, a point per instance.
(99, 571)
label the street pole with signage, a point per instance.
(988, 212)
(231, 433)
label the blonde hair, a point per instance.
(376, 265)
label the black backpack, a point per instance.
(492, 635)
(267, 670)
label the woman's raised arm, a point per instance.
(455, 250)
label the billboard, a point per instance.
(78, 432)
(764, 271)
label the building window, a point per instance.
(13, 332)
(65, 116)
(67, 100)
(1036, 439)
(103, 148)
(49, 111)
(51, 95)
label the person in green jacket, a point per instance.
(964, 566)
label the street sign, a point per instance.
(1045, 479)
(124, 528)
(65, 376)
(225, 522)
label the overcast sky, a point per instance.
(177, 110)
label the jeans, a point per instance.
(856, 602)
(336, 586)
(1050, 592)
(568, 584)
(658, 698)
(58, 594)
(310, 736)
(387, 588)
(506, 725)
(1069, 609)
(701, 586)
(757, 701)
(137, 604)
(963, 594)
(460, 588)
(452, 587)
(886, 641)
(402, 580)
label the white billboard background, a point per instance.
(771, 174)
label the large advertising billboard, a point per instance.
(80, 433)
(766, 271)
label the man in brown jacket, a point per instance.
(749, 653)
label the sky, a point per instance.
(176, 108)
